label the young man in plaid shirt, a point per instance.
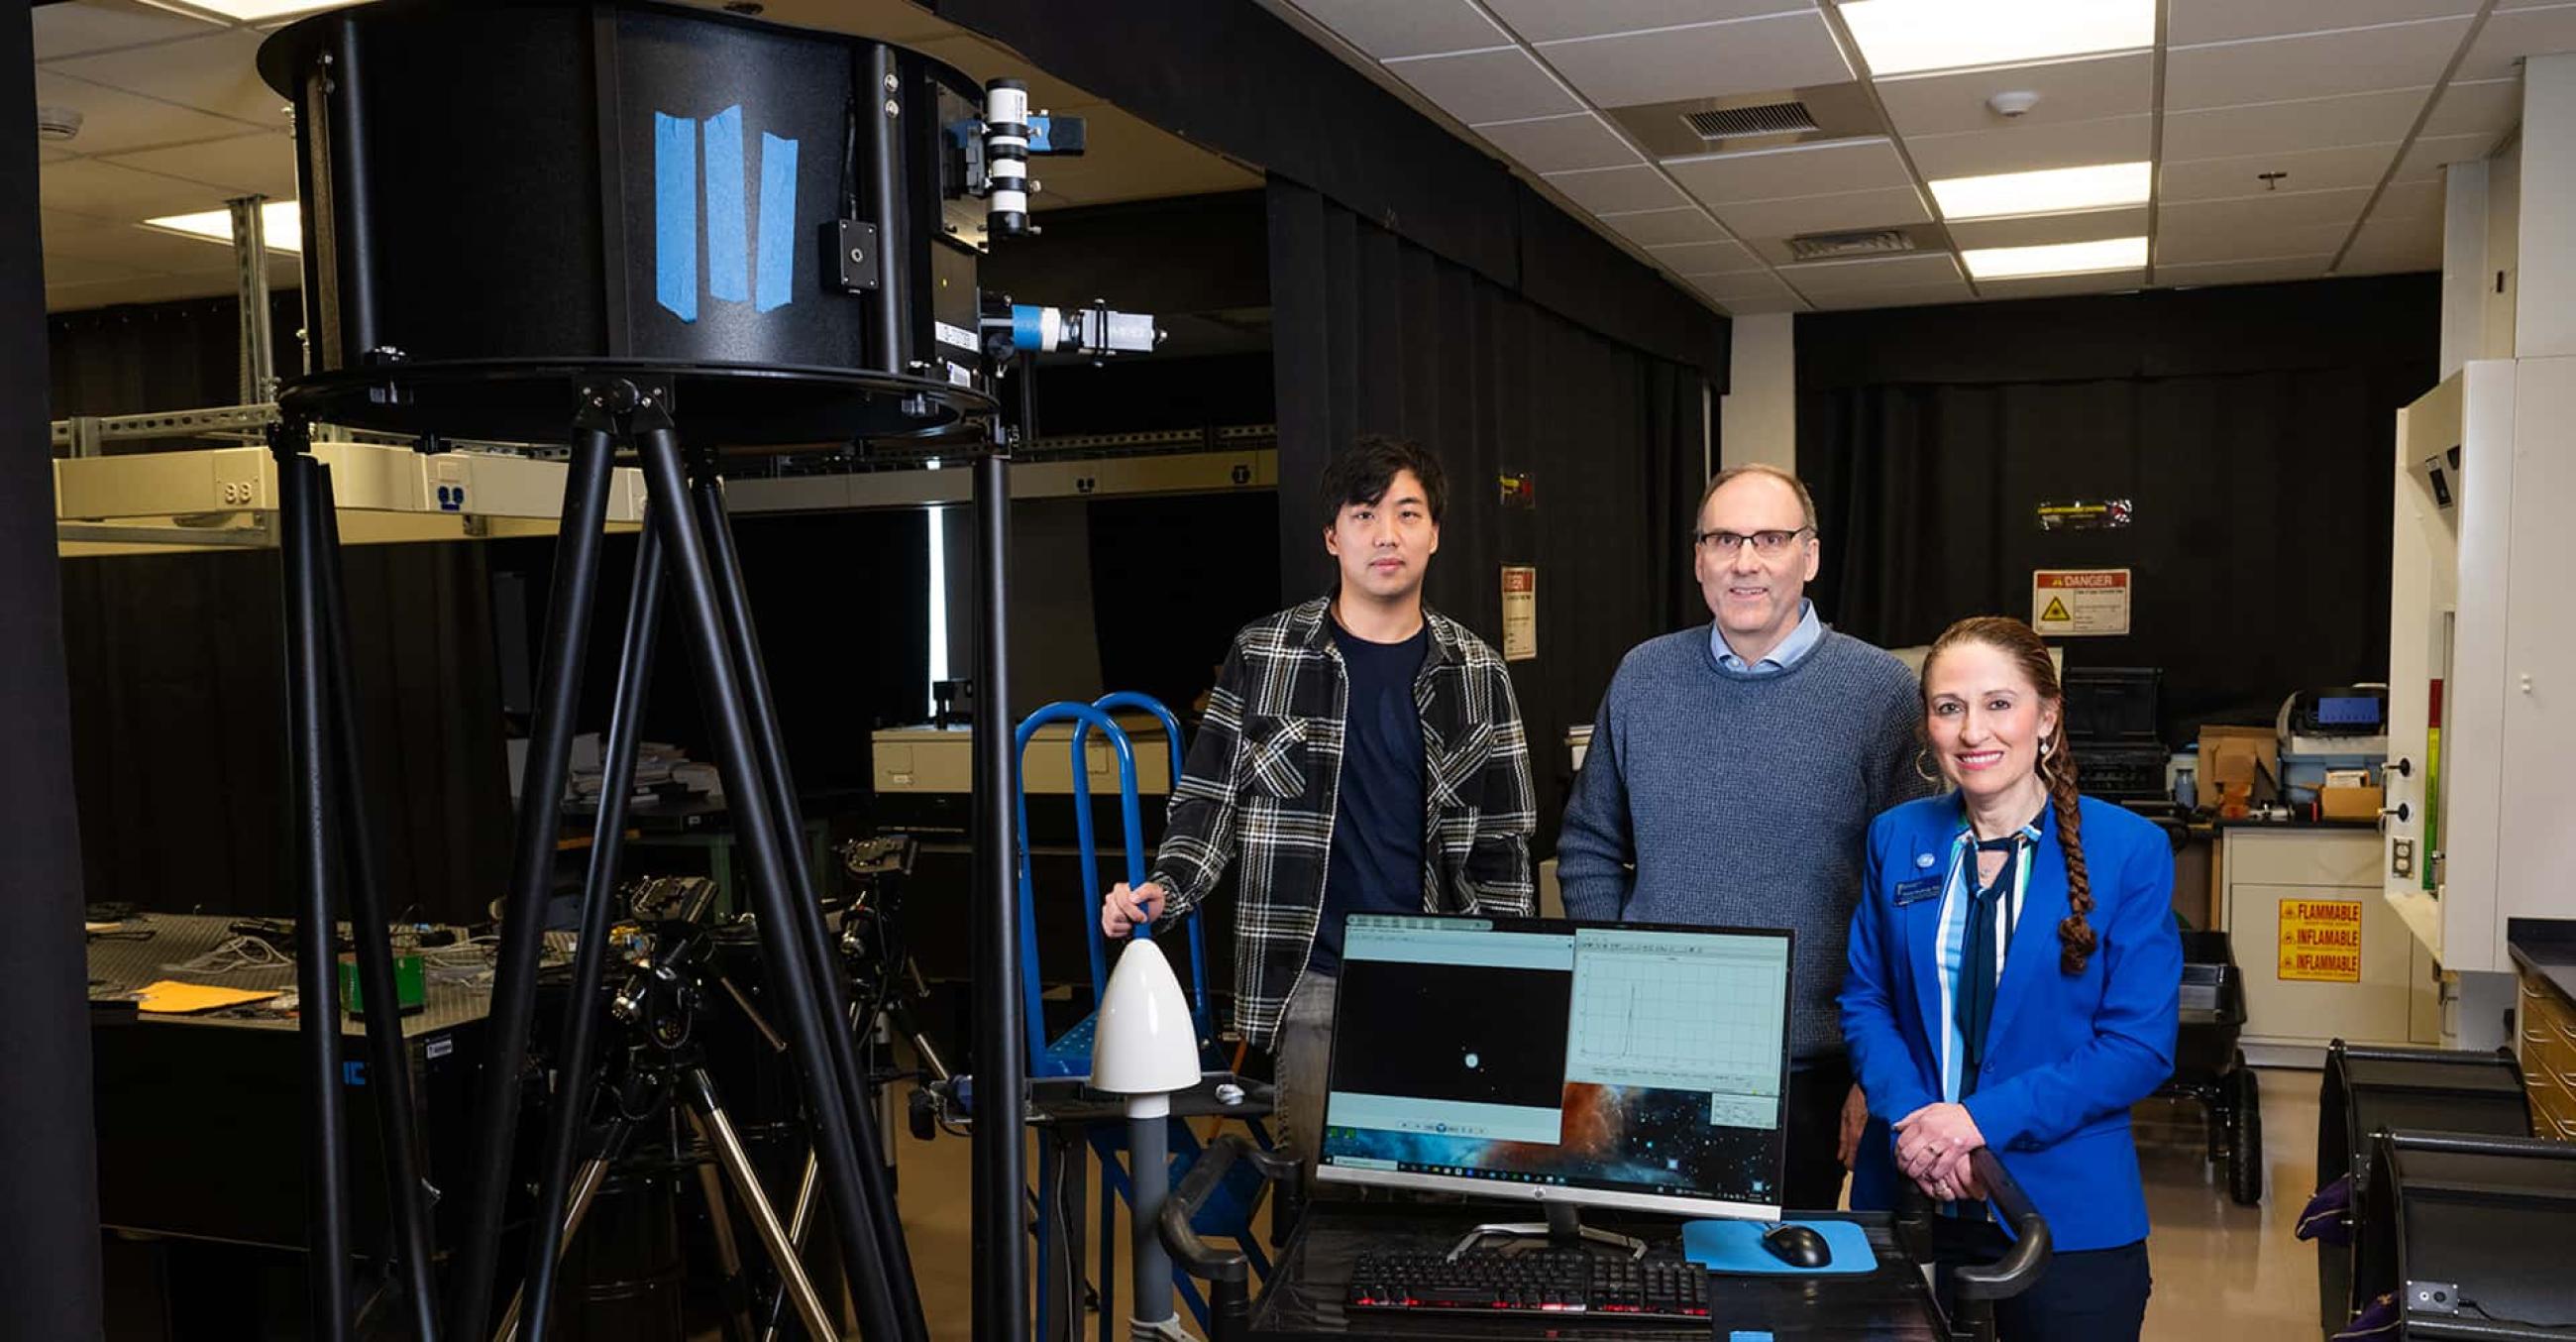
(1362, 754)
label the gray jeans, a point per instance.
(1300, 1057)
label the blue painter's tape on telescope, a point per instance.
(777, 223)
(1027, 330)
(728, 247)
(675, 215)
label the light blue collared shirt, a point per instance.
(1801, 641)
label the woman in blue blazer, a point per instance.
(2014, 980)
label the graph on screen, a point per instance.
(1677, 1014)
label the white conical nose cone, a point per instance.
(1145, 1044)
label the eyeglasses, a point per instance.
(1768, 544)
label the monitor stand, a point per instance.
(1563, 1229)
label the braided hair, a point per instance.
(2075, 937)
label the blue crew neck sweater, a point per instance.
(1711, 796)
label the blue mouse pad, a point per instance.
(1736, 1247)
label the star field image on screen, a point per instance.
(1620, 1059)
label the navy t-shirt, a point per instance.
(1376, 860)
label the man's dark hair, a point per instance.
(1361, 473)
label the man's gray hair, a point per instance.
(1806, 501)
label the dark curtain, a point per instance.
(2258, 464)
(178, 689)
(1376, 335)
(179, 732)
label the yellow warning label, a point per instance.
(2321, 940)
(2056, 611)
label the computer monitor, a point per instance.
(1596, 1064)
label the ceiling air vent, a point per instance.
(1734, 123)
(1857, 242)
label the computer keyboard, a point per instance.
(1532, 1281)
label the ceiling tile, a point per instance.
(1659, 228)
(1817, 278)
(1559, 143)
(1897, 296)
(1487, 85)
(1706, 258)
(1132, 159)
(2086, 89)
(2307, 123)
(2031, 147)
(2490, 105)
(98, 25)
(2036, 230)
(2308, 169)
(2381, 249)
(106, 191)
(81, 237)
(262, 163)
(2512, 34)
(1749, 285)
(2425, 157)
(982, 61)
(2278, 210)
(1707, 60)
(1601, 190)
(2409, 200)
(113, 120)
(76, 270)
(46, 153)
(2315, 65)
(141, 289)
(2192, 21)
(218, 73)
(2051, 286)
(1758, 220)
(2261, 270)
(2185, 245)
(1412, 28)
(1554, 20)
(1796, 170)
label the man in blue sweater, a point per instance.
(1733, 773)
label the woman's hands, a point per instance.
(1932, 1147)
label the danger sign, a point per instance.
(2079, 602)
(2321, 940)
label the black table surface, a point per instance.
(2546, 947)
(1303, 1299)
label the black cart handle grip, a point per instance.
(2018, 1270)
(1226, 1271)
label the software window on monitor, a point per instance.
(1619, 1065)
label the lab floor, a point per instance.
(2223, 1273)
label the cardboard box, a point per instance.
(2240, 765)
(2349, 803)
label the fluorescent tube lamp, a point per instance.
(2056, 258)
(2044, 192)
(277, 219)
(1905, 36)
(246, 11)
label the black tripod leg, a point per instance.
(388, 1063)
(746, 794)
(318, 1024)
(514, 979)
(768, 745)
(1001, 1274)
(598, 911)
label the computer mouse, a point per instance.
(1798, 1246)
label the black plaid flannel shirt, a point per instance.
(1262, 777)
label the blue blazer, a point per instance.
(2066, 1055)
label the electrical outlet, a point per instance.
(2401, 858)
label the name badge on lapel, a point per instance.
(1916, 891)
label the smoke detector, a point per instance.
(2012, 104)
(57, 123)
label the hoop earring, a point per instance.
(1921, 770)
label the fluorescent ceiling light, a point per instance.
(245, 11)
(283, 227)
(2056, 258)
(2045, 192)
(1904, 36)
